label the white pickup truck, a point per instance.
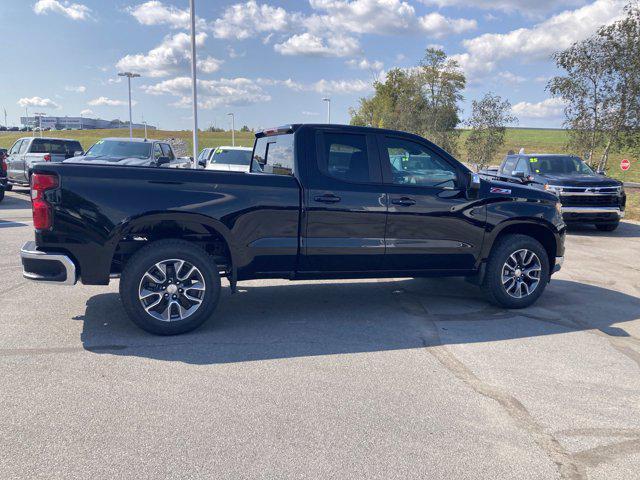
(28, 151)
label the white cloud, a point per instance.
(86, 112)
(172, 56)
(483, 53)
(76, 89)
(74, 11)
(322, 86)
(38, 102)
(212, 93)
(306, 113)
(312, 45)
(527, 7)
(380, 17)
(511, 78)
(244, 20)
(549, 108)
(108, 102)
(364, 64)
(157, 13)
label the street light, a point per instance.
(194, 85)
(328, 100)
(129, 76)
(39, 115)
(233, 128)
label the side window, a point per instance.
(167, 152)
(274, 154)
(157, 151)
(522, 166)
(509, 165)
(16, 147)
(24, 147)
(414, 164)
(346, 157)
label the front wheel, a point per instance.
(517, 271)
(8, 187)
(170, 287)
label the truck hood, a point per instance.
(110, 161)
(578, 180)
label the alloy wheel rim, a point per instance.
(521, 273)
(172, 290)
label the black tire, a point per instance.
(162, 250)
(607, 227)
(501, 252)
(1, 194)
(8, 187)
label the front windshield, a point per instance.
(231, 157)
(560, 164)
(120, 149)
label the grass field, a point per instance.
(533, 141)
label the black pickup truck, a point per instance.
(320, 202)
(586, 196)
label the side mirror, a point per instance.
(474, 182)
(519, 174)
(202, 163)
(78, 153)
(601, 172)
(163, 161)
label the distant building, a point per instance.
(77, 123)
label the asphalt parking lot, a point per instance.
(405, 378)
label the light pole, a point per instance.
(233, 129)
(328, 100)
(194, 85)
(129, 76)
(39, 115)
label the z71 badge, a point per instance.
(503, 191)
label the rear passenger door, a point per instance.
(346, 204)
(13, 159)
(20, 171)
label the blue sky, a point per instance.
(271, 62)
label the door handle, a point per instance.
(404, 201)
(327, 198)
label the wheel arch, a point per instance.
(542, 231)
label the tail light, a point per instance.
(47, 158)
(42, 215)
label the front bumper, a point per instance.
(47, 267)
(585, 214)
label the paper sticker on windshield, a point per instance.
(533, 160)
(502, 191)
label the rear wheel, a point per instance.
(1, 194)
(170, 287)
(517, 271)
(8, 187)
(607, 227)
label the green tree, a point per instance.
(601, 89)
(422, 100)
(488, 121)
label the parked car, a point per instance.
(3, 172)
(28, 151)
(141, 152)
(230, 159)
(319, 202)
(586, 196)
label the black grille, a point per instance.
(590, 200)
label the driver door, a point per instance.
(431, 224)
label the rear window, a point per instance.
(115, 150)
(274, 155)
(55, 147)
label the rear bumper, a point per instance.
(588, 214)
(47, 267)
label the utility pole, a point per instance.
(328, 100)
(129, 76)
(194, 84)
(233, 129)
